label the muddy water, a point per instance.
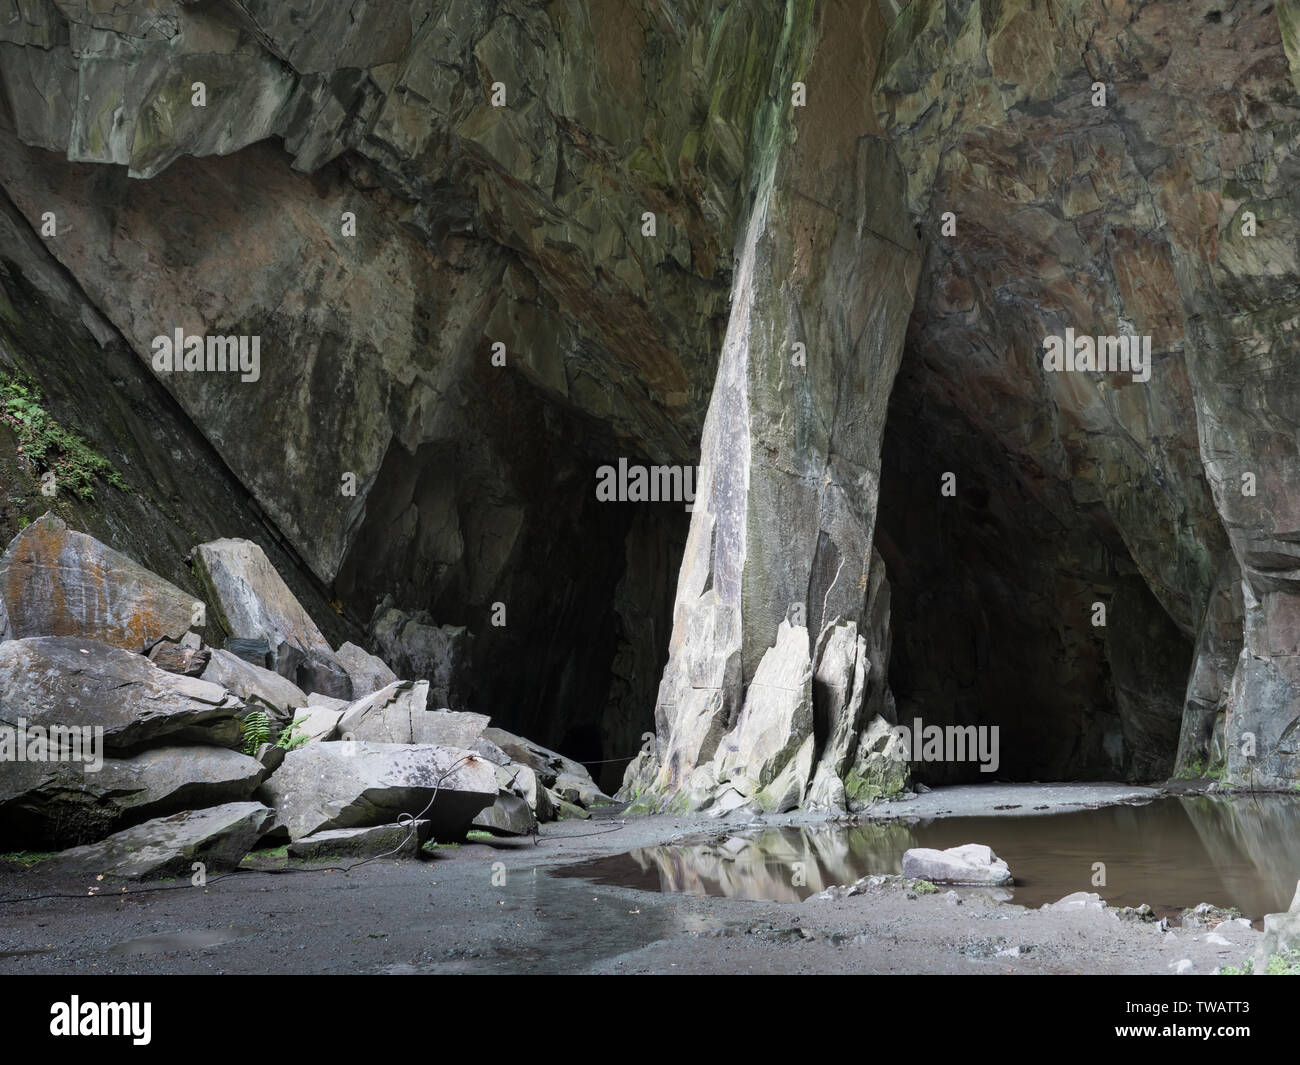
(1172, 853)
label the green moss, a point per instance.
(1286, 963)
(50, 446)
(924, 887)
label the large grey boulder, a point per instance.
(367, 672)
(971, 863)
(68, 681)
(57, 582)
(61, 804)
(255, 685)
(218, 837)
(354, 784)
(252, 602)
(415, 647)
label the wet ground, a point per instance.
(499, 907)
(1170, 853)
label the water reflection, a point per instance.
(1171, 853)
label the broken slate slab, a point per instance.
(396, 841)
(70, 681)
(355, 784)
(218, 837)
(62, 804)
(253, 684)
(252, 602)
(508, 816)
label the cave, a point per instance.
(782, 436)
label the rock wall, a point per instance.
(1075, 488)
(381, 439)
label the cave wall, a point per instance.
(1076, 488)
(472, 484)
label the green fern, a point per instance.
(256, 727)
(291, 738)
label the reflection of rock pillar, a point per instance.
(783, 523)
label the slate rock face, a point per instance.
(66, 681)
(758, 331)
(57, 582)
(541, 201)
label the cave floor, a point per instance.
(494, 907)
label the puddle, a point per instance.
(1171, 853)
(173, 942)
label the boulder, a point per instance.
(522, 781)
(218, 837)
(316, 699)
(367, 672)
(180, 658)
(450, 728)
(253, 684)
(547, 764)
(971, 863)
(69, 681)
(57, 582)
(415, 647)
(397, 841)
(252, 602)
(508, 816)
(316, 722)
(385, 716)
(59, 804)
(397, 714)
(350, 785)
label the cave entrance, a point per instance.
(997, 590)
